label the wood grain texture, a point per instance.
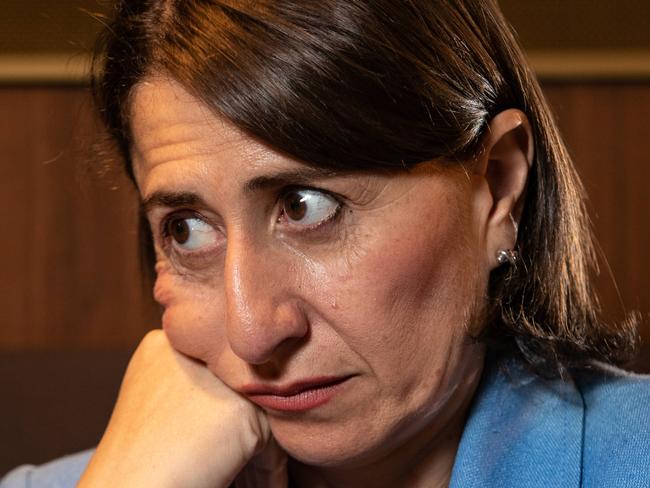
(607, 130)
(70, 276)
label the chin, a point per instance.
(342, 443)
(324, 446)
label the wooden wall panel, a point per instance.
(70, 276)
(55, 402)
(607, 128)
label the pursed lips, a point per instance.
(298, 396)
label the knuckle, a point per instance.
(154, 339)
(150, 347)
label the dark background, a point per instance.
(72, 303)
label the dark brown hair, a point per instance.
(383, 84)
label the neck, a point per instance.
(424, 460)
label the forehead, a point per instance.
(181, 146)
(169, 124)
(180, 143)
(164, 114)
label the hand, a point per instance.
(267, 469)
(176, 425)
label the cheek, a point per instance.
(407, 293)
(192, 315)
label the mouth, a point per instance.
(296, 397)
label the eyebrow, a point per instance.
(188, 199)
(299, 176)
(171, 199)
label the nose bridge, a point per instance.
(238, 283)
(261, 311)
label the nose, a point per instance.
(262, 310)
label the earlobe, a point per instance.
(505, 163)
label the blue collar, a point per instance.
(522, 430)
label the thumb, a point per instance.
(267, 469)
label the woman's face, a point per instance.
(339, 303)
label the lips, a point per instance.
(296, 397)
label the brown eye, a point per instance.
(179, 230)
(295, 206)
(190, 234)
(308, 208)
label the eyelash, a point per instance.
(340, 200)
(171, 249)
(166, 238)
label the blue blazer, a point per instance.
(592, 430)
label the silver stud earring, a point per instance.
(507, 256)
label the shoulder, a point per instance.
(589, 429)
(61, 473)
(610, 391)
(616, 425)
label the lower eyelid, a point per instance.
(193, 261)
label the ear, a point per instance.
(504, 163)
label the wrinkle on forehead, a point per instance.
(169, 123)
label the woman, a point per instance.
(372, 254)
